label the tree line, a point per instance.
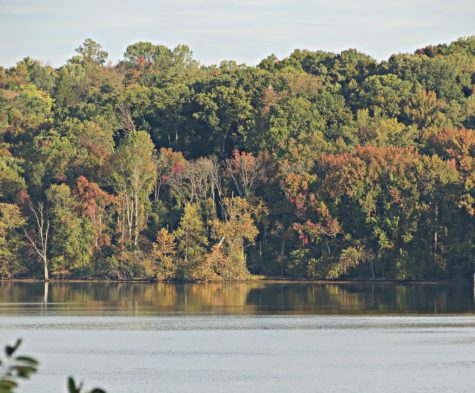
(320, 165)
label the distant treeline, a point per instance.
(319, 165)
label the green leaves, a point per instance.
(333, 125)
(10, 349)
(72, 388)
(7, 386)
(14, 368)
(28, 360)
(78, 388)
(90, 51)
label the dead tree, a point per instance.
(40, 241)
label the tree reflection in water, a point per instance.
(88, 298)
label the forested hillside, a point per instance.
(319, 165)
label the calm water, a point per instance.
(249, 337)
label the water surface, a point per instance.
(248, 337)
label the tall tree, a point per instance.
(90, 52)
(72, 236)
(39, 237)
(192, 241)
(234, 233)
(133, 176)
(11, 219)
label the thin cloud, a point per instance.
(238, 29)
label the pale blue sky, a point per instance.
(243, 30)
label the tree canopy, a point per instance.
(319, 165)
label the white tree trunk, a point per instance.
(40, 245)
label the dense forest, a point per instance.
(316, 166)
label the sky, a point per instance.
(242, 30)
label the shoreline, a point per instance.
(270, 280)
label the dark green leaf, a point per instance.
(28, 360)
(24, 371)
(72, 386)
(7, 384)
(10, 350)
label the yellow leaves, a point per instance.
(10, 217)
(458, 147)
(183, 253)
(301, 82)
(164, 245)
(425, 110)
(350, 257)
(458, 144)
(467, 201)
(238, 225)
(164, 252)
(232, 233)
(381, 131)
(208, 269)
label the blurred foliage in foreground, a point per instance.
(14, 367)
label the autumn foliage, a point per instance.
(318, 165)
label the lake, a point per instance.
(245, 337)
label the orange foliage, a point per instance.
(457, 144)
(92, 203)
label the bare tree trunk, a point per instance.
(221, 241)
(186, 245)
(328, 247)
(128, 210)
(128, 122)
(40, 245)
(156, 189)
(281, 256)
(136, 221)
(436, 233)
(45, 269)
(45, 292)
